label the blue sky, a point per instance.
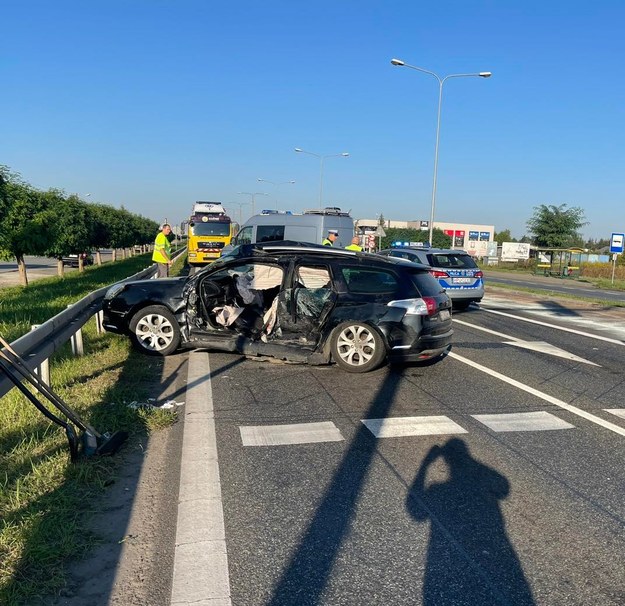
(156, 104)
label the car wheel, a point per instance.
(154, 331)
(357, 347)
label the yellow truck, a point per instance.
(209, 230)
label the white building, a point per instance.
(471, 237)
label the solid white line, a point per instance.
(539, 394)
(488, 330)
(554, 326)
(539, 346)
(200, 559)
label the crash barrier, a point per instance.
(36, 347)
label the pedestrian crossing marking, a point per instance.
(396, 427)
(523, 421)
(281, 435)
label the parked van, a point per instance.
(310, 226)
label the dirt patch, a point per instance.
(135, 520)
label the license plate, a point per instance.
(444, 313)
(463, 280)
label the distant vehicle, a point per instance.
(310, 226)
(291, 301)
(455, 270)
(209, 230)
(72, 259)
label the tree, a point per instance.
(503, 236)
(399, 234)
(25, 230)
(73, 225)
(556, 226)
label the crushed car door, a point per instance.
(304, 306)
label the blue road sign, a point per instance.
(616, 243)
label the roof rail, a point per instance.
(328, 210)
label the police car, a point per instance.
(455, 270)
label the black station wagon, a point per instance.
(291, 301)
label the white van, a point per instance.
(310, 226)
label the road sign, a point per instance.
(371, 242)
(380, 231)
(617, 243)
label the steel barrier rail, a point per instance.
(39, 344)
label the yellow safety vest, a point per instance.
(162, 247)
(354, 247)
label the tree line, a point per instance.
(53, 224)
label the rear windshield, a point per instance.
(451, 260)
(427, 285)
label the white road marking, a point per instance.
(540, 346)
(299, 433)
(523, 421)
(539, 394)
(554, 326)
(395, 427)
(619, 412)
(200, 558)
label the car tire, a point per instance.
(155, 331)
(357, 347)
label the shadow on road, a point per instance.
(470, 559)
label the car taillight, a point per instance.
(439, 274)
(478, 274)
(425, 306)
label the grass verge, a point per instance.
(45, 501)
(561, 295)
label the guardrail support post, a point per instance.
(99, 322)
(43, 370)
(77, 344)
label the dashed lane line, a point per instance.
(539, 394)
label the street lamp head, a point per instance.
(298, 149)
(485, 74)
(345, 154)
(397, 62)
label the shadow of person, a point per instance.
(470, 559)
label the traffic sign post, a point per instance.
(617, 245)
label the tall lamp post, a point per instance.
(321, 159)
(276, 186)
(253, 197)
(441, 81)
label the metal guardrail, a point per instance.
(39, 344)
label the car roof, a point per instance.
(427, 249)
(260, 249)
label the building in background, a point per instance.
(471, 237)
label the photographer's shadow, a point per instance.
(470, 559)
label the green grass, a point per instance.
(546, 290)
(46, 501)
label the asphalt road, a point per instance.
(36, 268)
(497, 477)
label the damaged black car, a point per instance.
(291, 301)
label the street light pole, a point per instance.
(253, 196)
(276, 186)
(321, 159)
(441, 81)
